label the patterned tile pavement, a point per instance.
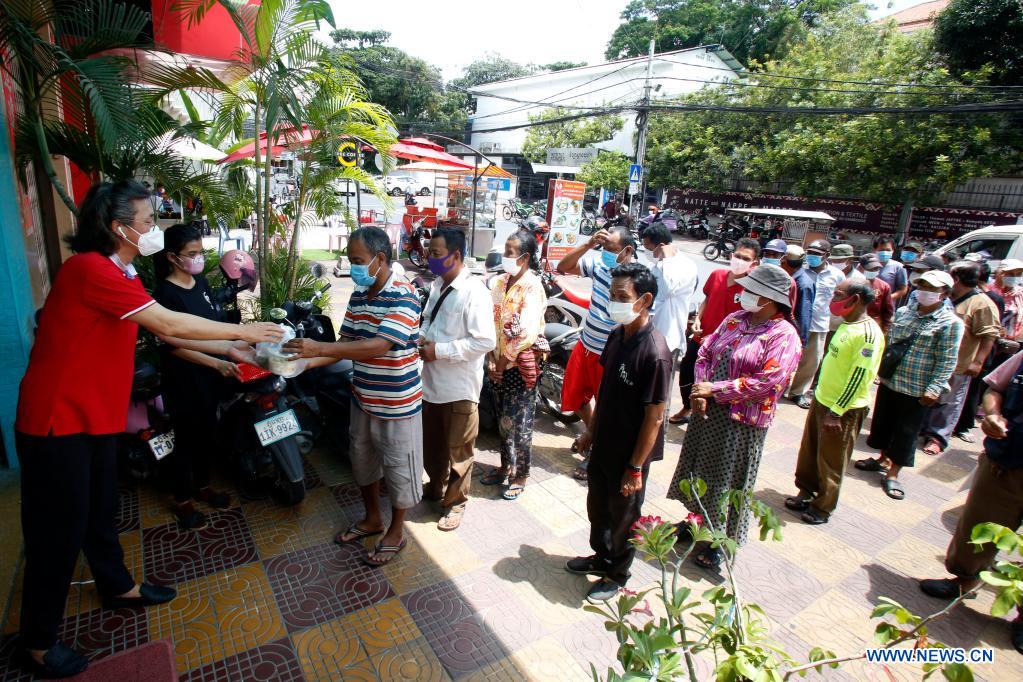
(264, 594)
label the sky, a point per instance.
(452, 33)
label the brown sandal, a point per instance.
(452, 518)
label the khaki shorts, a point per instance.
(391, 449)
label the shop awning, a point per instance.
(191, 148)
(558, 170)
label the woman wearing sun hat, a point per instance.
(742, 369)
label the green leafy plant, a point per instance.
(721, 625)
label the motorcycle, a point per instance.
(417, 241)
(322, 395)
(721, 246)
(564, 305)
(562, 338)
(148, 437)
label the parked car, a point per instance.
(396, 185)
(1001, 241)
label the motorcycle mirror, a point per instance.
(317, 270)
(278, 314)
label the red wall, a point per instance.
(216, 37)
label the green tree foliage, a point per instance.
(972, 34)
(561, 66)
(893, 159)
(490, 69)
(610, 170)
(752, 30)
(578, 133)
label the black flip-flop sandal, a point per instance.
(710, 559)
(892, 489)
(386, 551)
(869, 465)
(813, 517)
(798, 504)
(357, 535)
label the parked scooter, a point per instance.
(148, 437)
(322, 395)
(417, 241)
(564, 305)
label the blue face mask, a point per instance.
(884, 256)
(361, 276)
(610, 259)
(771, 261)
(908, 256)
(813, 260)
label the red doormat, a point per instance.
(153, 662)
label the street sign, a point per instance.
(633, 188)
(635, 174)
(348, 154)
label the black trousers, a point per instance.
(687, 372)
(193, 412)
(68, 505)
(611, 517)
(968, 417)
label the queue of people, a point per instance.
(778, 321)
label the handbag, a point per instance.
(892, 357)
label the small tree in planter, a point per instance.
(719, 622)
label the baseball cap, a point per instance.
(870, 261)
(842, 251)
(819, 245)
(1010, 264)
(914, 246)
(776, 245)
(794, 252)
(937, 278)
(929, 262)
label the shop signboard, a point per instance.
(564, 212)
(571, 156)
(927, 222)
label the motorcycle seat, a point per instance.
(576, 290)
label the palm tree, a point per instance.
(283, 78)
(56, 53)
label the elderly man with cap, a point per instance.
(921, 352)
(882, 308)
(843, 257)
(742, 369)
(806, 287)
(826, 278)
(1009, 279)
(981, 328)
(772, 254)
(911, 253)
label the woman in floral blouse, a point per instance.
(515, 365)
(742, 369)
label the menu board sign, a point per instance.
(564, 212)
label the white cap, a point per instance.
(794, 252)
(1010, 264)
(937, 278)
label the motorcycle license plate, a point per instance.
(277, 427)
(162, 445)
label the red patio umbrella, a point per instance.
(406, 149)
(291, 138)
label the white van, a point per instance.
(1001, 241)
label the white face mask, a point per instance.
(927, 298)
(739, 266)
(870, 274)
(149, 242)
(1010, 282)
(510, 265)
(748, 300)
(621, 313)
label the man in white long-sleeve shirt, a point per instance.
(677, 279)
(457, 332)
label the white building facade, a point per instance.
(512, 102)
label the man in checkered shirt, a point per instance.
(919, 380)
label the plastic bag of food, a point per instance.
(272, 357)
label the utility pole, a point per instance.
(641, 125)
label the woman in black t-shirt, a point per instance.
(192, 382)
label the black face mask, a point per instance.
(796, 264)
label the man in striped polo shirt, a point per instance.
(584, 371)
(840, 402)
(380, 334)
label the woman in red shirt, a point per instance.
(74, 401)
